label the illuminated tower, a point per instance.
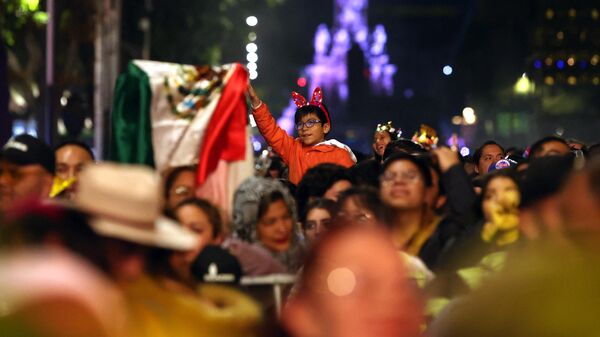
(329, 69)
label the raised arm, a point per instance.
(276, 137)
(461, 196)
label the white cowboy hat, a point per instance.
(125, 202)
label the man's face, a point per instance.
(70, 159)
(552, 148)
(20, 182)
(490, 154)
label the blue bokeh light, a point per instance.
(447, 70)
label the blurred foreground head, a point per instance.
(580, 199)
(541, 184)
(552, 291)
(125, 206)
(49, 282)
(52, 293)
(345, 292)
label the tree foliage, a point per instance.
(15, 14)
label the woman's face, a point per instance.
(183, 188)
(193, 217)
(402, 186)
(317, 221)
(380, 141)
(499, 188)
(274, 228)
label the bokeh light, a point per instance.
(251, 21)
(447, 70)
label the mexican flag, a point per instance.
(167, 115)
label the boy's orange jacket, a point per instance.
(293, 152)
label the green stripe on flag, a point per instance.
(131, 125)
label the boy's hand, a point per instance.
(254, 100)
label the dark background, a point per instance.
(490, 44)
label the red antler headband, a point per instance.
(317, 101)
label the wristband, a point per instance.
(256, 107)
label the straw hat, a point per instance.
(125, 202)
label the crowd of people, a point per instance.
(412, 240)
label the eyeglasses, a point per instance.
(309, 124)
(360, 216)
(391, 177)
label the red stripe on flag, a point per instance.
(225, 135)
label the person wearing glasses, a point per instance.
(404, 185)
(313, 123)
(362, 205)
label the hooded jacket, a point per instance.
(245, 217)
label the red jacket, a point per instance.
(294, 153)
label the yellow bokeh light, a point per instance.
(523, 85)
(572, 80)
(549, 80)
(469, 115)
(31, 5)
(457, 120)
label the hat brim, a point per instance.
(21, 159)
(165, 233)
